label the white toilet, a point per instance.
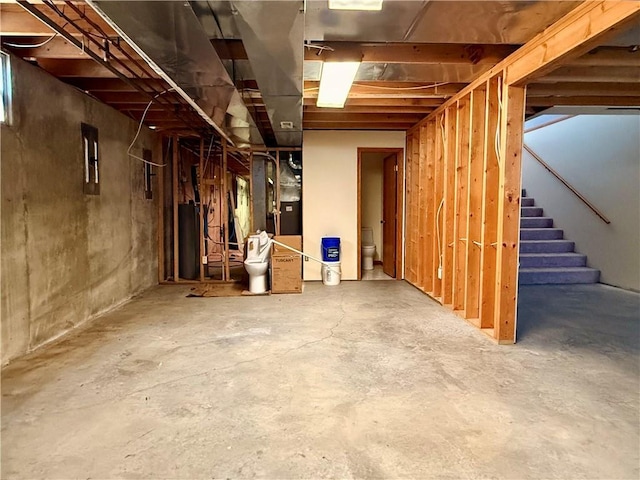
(368, 248)
(257, 262)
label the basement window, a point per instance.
(5, 89)
(148, 174)
(91, 160)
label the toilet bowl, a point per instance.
(368, 248)
(257, 262)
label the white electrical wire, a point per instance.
(438, 233)
(35, 45)
(498, 125)
(144, 114)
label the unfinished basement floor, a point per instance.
(362, 380)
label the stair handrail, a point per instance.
(567, 184)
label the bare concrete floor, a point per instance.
(362, 380)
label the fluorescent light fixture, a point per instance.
(335, 83)
(355, 4)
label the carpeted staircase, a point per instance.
(545, 256)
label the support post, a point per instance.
(225, 211)
(160, 177)
(174, 179)
(201, 207)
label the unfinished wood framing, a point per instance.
(464, 175)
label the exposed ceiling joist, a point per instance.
(410, 53)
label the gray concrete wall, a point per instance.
(67, 256)
(600, 156)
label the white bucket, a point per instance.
(331, 274)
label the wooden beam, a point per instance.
(88, 68)
(412, 53)
(58, 48)
(357, 126)
(593, 20)
(17, 21)
(369, 109)
(390, 90)
(584, 101)
(385, 102)
(582, 89)
(115, 85)
(347, 117)
(593, 74)
(575, 34)
(510, 188)
(609, 57)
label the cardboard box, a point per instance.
(286, 266)
(294, 241)
(286, 273)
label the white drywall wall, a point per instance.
(371, 196)
(330, 191)
(600, 156)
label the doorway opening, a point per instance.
(380, 198)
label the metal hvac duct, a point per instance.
(273, 36)
(169, 36)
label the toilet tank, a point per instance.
(366, 236)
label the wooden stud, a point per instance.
(421, 220)
(512, 121)
(489, 233)
(428, 213)
(461, 204)
(451, 126)
(437, 201)
(474, 225)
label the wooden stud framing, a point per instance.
(469, 161)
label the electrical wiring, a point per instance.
(498, 126)
(35, 45)
(438, 234)
(144, 114)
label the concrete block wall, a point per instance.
(66, 256)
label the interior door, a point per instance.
(389, 216)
